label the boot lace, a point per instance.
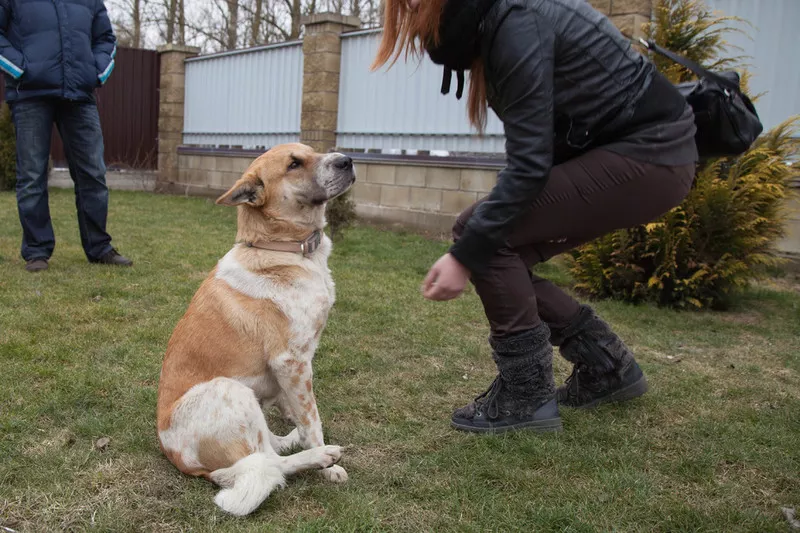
(573, 382)
(488, 400)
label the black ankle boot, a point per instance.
(605, 370)
(522, 394)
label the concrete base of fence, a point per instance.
(121, 180)
(187, 189)
(424, 195)
(422, 221)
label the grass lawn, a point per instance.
(715, 445)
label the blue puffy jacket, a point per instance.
(55, 48)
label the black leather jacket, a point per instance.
(562, 79)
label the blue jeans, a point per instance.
(78, 125)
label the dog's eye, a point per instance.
(295, 164)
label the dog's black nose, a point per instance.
(344, 163)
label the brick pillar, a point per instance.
(170, 107)
(627, 15)
(322, 52)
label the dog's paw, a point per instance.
(329, 455)
(335, 474)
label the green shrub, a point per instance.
(8, 151)
(723, 234)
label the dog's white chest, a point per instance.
(305, 301)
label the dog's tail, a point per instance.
(247, 483)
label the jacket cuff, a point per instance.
(103, 76)
(10, 68)
(474, 250)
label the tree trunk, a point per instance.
(233, 23)
(181, 23)
(137, 23)
(255, 37)
(172, 8)
(296, 14)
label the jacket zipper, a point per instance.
(63, 57)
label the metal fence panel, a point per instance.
(772, 43)
(402, 108)
(252, 98)
(249, 98)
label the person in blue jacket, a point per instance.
(54, 54)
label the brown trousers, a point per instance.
(585, 198)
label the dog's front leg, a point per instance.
(295, 378)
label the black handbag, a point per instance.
(726, 120)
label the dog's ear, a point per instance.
(249, 190)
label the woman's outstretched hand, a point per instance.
(446, 279)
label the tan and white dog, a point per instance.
(248, 337)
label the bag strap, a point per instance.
(696, 68)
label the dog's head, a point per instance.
(292, 183)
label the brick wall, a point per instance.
(423, 196)
(207, 173)
(627, 15)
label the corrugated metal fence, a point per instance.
(402, 108)
(249, 98)
(772, 42)
(252, 98)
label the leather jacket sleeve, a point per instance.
(519, 68)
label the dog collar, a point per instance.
(306, 247)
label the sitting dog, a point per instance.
(248, 337)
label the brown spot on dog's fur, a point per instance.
(309, 386)
(214, 455)
(295, 380)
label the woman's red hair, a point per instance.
(405, 30)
